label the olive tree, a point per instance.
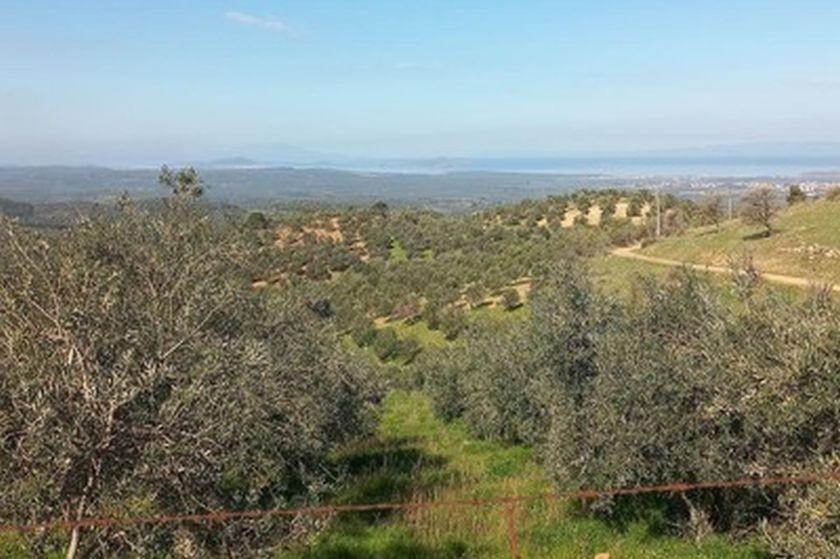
(140, 374)
(184, 183)
(796, 194)
(510, 299)
(809, 528)
(711, 210)
(678, 385)
(759, 207)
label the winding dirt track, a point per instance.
(628, 252)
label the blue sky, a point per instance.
(141, 81)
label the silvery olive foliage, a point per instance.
(684, 382)
(811, 519)
(141, 374)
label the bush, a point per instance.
(634, 206)
(386, 344)
(710, 210)
(489, 382)
(795, 194)
(452, 323)
(364, 333)
(257, 220)
(511, 300)
(408, 349)
(623, 233)
(475, 294)
(583, 203)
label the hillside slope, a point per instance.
(806, 243)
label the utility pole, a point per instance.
(729, 199)
(658, 212)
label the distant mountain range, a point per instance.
(247, 180)
(775, 157)
(784, 150)
(232, 162)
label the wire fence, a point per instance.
(509, 505)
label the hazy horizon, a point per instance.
(141, 83)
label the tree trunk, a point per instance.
(74, 544)
(73, 547)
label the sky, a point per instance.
(136, 82)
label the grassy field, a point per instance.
(622, 276)
(806, 243)
(417, 457)
(618, 276)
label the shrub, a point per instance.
(623, 233)
(711, 210)
(364, 333)
(407, 349)
(490, 382)
(431, 313)
(452, 322)
(475, 294)
(583, 203)
(607, 205)
(634, 206)
(795, 194)
(257, 220)
(386, 344)
(511, 300)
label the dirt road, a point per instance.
(629, 252)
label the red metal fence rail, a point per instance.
(509, 503)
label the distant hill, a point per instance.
(233, 162)
(247, 185)
(62, 184)
(11, 208)
(772, 150)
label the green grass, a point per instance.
(426, 338)
(397, 252)
(810, 224)
(430, 340)
(619, 276)
(415, 456)
(622, 277)
(420, 332)
(488, 316)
